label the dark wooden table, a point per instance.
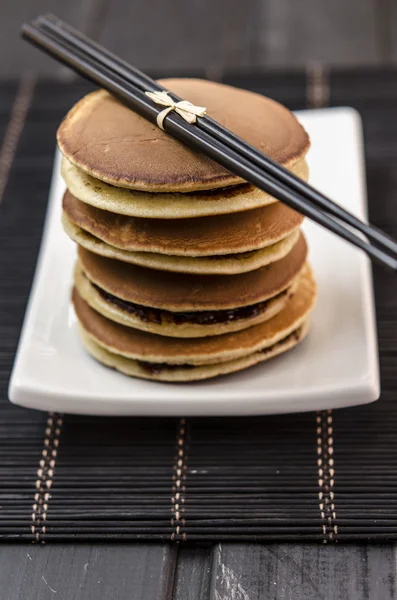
(144, 571)
(220, 572)
(215, 36)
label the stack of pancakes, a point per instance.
(184, 270)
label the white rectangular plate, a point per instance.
(337, 365)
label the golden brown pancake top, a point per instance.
(129, 341)
(203, 236)
(109, 141)
(179, 292)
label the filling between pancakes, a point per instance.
(156, 368)
(205, 317)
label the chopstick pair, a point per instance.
(206, 135)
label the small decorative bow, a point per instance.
(185, 109)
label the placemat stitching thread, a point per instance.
(326, 474)
(45, 475)
(317, 85)
(15, 127)
(320, 471)
(331, 475)
(179, 487)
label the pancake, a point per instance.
(186, 373)
(169, 205)
(205, 236)
(154, 357)
(179, 324)
(139, 345)
(184, 292)
(202, 265)
(112, 143)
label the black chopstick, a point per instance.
(146, 83)
(71, 53)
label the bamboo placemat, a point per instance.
(329, 476)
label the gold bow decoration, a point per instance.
(184, 108)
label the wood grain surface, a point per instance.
(302, 572)
(224, 572)
(213, 36)
(89, 572)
